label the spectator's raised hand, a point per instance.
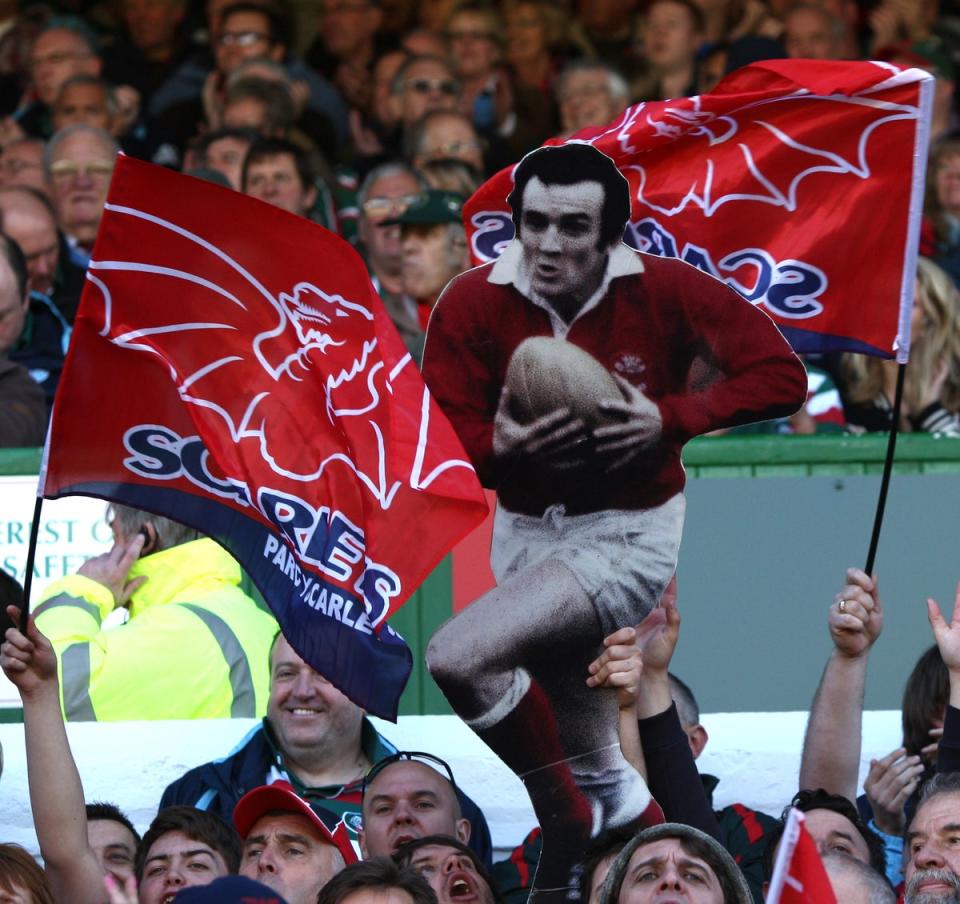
(657, 634)
(619, 667)
(856, 618)
(28, 660)
(889, 784)
(946, 635)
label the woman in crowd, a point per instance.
(931, 397)
(21, 878)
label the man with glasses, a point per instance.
(445, 135)
(78, 165)
(313, 737)
(58, 54)
(240, 32)
(407, 796)
(422, 84)
(387, 191)
(29, 220)
(21, 163)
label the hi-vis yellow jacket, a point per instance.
(195, 647)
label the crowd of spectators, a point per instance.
(355, 112)
(377, 120)
(314, 805)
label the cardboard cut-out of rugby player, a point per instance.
(574, 368)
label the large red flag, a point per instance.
(798, 874)
(231, 367)
(798, 183)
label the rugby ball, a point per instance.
(546, 374)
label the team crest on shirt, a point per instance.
(628, 364)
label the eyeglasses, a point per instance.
(377, 209)
(242, 38)
(66, 170)
(16, 165)
(57, 59)
(412, 756)
(429, 85)
(453, 148)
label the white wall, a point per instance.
(130, 763)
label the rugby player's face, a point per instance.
(560, 236)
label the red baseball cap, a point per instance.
(280, 796)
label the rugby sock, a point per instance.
(526, 738)
(620, 795)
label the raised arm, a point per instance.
(831, 748)
(56, 794)
(619, 667)
(947, 636)
(671, 770)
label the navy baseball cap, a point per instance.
(230, 890)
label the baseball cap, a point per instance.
(431, 208)
(280, 796)
(230, 890)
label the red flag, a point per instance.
(798, 874)
(231, 367)
(797, 183)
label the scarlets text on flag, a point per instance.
(232, 368)
(797, 183)
(799, 876)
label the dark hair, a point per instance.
(17, 867)
(264, 148)
(277, 25)
(404, 855)
(100, 809)
(925, 696)
(380, 872)
(608, 843)
(17, 263)
(278, 102)
(819, 799)
(197, 825)
(697, 19)
(567, 165)
(687, 708)
(203, 142)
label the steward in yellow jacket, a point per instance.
(195, 646)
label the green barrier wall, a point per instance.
(761, 560)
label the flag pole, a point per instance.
(887, 468)
(31, 556)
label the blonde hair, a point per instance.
(936, 342)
